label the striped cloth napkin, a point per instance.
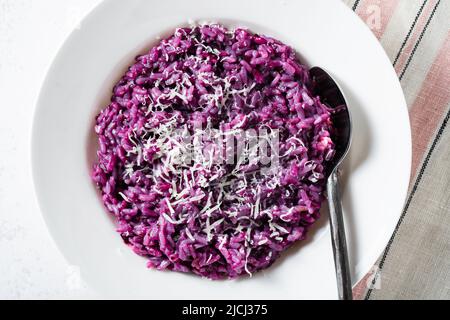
(416, 37)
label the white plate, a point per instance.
(325, 33)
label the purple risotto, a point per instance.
(213, 151)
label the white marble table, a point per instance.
(31, 32)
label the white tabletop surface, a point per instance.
(31, 32)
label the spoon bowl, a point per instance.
(330, 93)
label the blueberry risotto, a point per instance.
(217, 220)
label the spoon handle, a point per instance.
(338, 238)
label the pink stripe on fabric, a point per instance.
(377, 14)
(359, 291)
(407, 51)
(430, 104)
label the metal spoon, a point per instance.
(331, 95)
